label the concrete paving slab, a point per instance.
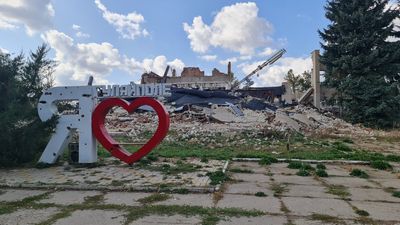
(253, 166)
(337, 170)
(281, 168)
(266, 204)
(388, 183)
(296, 180)
(27, 216)
(350, 182)
(307, 191)
(265, 220)
(167, 220)
(204, 200)
(372, 194)
(318, 222)
(69, 197)
(98, 217)
(248, 188)
(124, 198)
(380, 210)
(309, 206)
(378, 174)
(248, 177)
(12, 195)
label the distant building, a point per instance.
(193, 77)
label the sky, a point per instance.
(117, 40)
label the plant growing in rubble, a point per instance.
(361, 56)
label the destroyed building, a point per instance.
(193, 77)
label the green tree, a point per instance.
(305, 81)
(362, 59)
(293, 80)
(22, 81)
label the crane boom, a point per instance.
(269, 61)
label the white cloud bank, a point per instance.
(237, 28)
(35, 15)
(77, 61)
(128, 26)
(273, 75)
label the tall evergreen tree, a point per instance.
(362, 59)
(22, 81)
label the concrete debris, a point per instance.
(194, 120)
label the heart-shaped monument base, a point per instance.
(101, 134)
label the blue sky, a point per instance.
(115, 41)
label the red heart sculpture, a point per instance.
(111, 145)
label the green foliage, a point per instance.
(22, 81)
(381, 165)
(321, 166)
(302, 172)
(295, 165)
(360, 63)
(362, 212)
(396, 194)
(217, 177)
(267, 161)
(359, 173)
(321, 173)
(260, 194)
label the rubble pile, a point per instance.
(199, 123)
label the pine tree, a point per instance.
(362, 59)
(22, 81)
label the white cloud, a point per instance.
(77, 61)
(226, 61)
(159, 64)
(396, 22)
(273, 75)
(128, 26)
(267, 52)
(34, 15)
(4, 51)
(208, 58)
(237, 28)
(79, 33)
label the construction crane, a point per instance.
(270, 61)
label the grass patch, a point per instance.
(321, 166)
(267, 161)
(396, 194)
(362, 212)
(240, 170)
(359, 173)
(157, 197)
(338, 190)
(295, 165)
(381, 165)
(96, 199)
(217, 177)
(326, 218)
(260, 194)
(321, 173)
(302, 172)
(278, 189)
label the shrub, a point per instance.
(359, 173)
(267, 161)
(302, 172)
(295, 165)
(260, 194)
(321, 166)
(381, 165)
(321, 173)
